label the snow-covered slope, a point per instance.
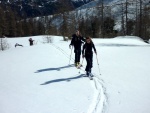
(38, 79)
(94, 3)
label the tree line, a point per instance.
(12, 25)
(98, 22)
(132, 17)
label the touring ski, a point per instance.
(90, 76)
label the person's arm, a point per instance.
(83, 51)
(72, 42)
(94, 48)
(83, 39)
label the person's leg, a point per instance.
(91, 62)
(76, 57)
(87, 69)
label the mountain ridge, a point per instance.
(34, 8)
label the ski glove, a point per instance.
(70, 46)
(83, 56)
(95, 52)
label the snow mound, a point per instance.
(41, 39)
(122, 41)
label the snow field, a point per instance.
(39, 78)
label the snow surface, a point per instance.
(39, 79)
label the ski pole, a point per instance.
(81, 64)
(70, 55)
(98, 65)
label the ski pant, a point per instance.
(77, 55)
(89, 60)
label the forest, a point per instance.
(132, 17)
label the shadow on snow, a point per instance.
(62, 80)
(54, 69)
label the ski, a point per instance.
(90, 76)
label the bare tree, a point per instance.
(102, 17)
(47, 39)
(136, 19)
(64, 26)
(126, 13)
(146, 22)
(3, 44)
(71, 24)
(122, 20)
(140, 20)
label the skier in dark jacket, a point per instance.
(88, 54)
(31, 41)
(77, 41)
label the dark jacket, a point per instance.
(77, 41)
(31, 41)
(87, 49)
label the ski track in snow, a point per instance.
(100, 100)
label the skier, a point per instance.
(77, 41)
(88, 54)
(31, 41)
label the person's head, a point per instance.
(88, 40)
(77, 32)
